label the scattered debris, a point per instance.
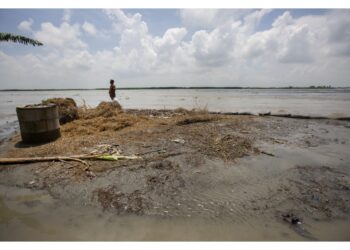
(182, 141)
(291, 218)
(296, 225)
(196, 118)
(110, 149)
(266, 153)
(265, 114)
(122, 203)
(89, 173)
(227, 147)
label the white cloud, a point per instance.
(89, 28)
(67, 13)
(284, 20)
(225, 48)
(171, 37)
(210, 18)
(63, 37)
(215, 48)
(287, 42)
(26, 25)
(295, 45)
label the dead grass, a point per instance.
(190, 118)
(94, 125)
(104, 109)
(107, 116)
(67, 108)
(212, 135)
(223, 142)
(194, 116)
(228, 147)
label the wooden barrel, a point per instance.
(38, 123)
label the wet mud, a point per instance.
(200, 180)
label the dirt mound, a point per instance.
(67, 108)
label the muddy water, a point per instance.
(28, 215)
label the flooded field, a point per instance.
(32, 216)
(315, 102)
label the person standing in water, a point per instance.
(112, 89)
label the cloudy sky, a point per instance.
(168, 47)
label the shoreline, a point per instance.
(285, 115)
(202, 87)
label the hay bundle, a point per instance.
(104, 109)
(67, 108)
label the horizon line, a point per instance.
(172, 87)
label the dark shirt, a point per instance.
(112, 90)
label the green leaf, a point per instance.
(8, 37)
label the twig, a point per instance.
(78, 160)
(266, 153)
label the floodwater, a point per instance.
(37, 216)
(316, 102)
(28, 214)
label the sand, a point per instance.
(198, 167)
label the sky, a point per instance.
(85, 48)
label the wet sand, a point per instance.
(223, 178)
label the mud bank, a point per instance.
(200, 176)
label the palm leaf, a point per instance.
(18, 39)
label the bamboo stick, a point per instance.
(80, 158)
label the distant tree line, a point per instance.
(321, 87)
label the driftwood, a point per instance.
(78, 158)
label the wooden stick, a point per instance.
(79, 158)
(43, 159)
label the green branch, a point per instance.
(8, 37)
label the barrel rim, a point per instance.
(36, 106)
